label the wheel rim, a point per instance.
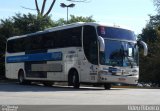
(74, 79)
(21, 78)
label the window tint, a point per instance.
(57, 39)
(16, 45)
(90, 44)
(48, 40)
(68, 37)
(36, 42)
(117, 33)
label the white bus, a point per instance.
(76, 53)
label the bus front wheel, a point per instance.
(107, 86)
(73, 79)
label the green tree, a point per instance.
(23, 24)
(157, 4)
(31, 23)
(149, 66)
(81, 19)
(74, 19)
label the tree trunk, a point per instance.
(50, 8)
(43, 6)
(37, 8)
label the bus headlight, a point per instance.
(134, 72)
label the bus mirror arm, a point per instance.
(102, 44)
(144, 46)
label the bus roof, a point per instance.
(66, 26)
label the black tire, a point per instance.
(48, 83)
(21, 78)
(107, 86)
(73, 79)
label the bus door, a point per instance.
(90, 54)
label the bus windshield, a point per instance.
(116, 33)
(119, 53)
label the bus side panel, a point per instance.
(13, 67)
(71, 59)
(55, 75)
(12, 70)
(8, 71)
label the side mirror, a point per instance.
(102, 44)
(144, 46)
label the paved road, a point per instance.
(13, 94)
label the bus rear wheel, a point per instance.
(107, 86)
(74, 79)
(21, 78)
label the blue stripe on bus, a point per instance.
(55, 56)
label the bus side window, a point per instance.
(68, 37)
(10, 46)
(76, 37)
(48, 40)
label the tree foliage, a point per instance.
(74, 19)
(149, 66)
(157, 4)
(22, 24)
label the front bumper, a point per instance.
(103, 78)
